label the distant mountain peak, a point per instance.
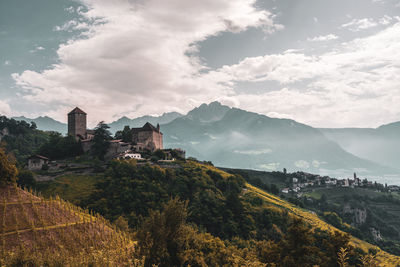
(213, 111)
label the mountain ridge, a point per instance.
(240, 138)
(256, 141)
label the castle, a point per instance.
(147, 137)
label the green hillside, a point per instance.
(341, 205)
(382, 213)
(20, 138)
(254, 226)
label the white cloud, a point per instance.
(356, 84)
(7, 63)
(5, 108)
(385, 20)
(303, 164)
(270, 166)
(37, 48)
(356, 25)
(73, 25)
(360, 24)
(70, 9)
(140, 58)
(322, 38)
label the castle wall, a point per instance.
(157, 140)
(149, 140)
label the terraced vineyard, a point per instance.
(384, 258)
(52, 231)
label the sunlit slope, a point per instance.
(54, 231)
(383, 257)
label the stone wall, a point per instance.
(158, 140)
(77, 125)
(148, 140)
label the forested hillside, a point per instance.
(20, 138)
(228, 222)
(371, 213)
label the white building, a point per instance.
(131, 155)
(36, 162)
(285, 190)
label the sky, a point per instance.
(319, 62)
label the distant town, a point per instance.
(299, 182)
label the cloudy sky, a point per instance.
(321, 62)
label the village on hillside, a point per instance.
(141, 144)
(299, 182)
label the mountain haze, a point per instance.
(381, 145)
(140, 121)
(46, 124)
(232, 137)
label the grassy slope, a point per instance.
(266, 177)
(72, 187)
(53, 230)
(337, 193)
(385, 259)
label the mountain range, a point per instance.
(48, 124)
(236, 138)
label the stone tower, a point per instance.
(77, 123)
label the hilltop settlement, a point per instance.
(134, 143)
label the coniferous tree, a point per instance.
(125, 134)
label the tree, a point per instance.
(274, 189)
(26, 179)
(159, 154)
(297, 245)
(125, 134)
(101, 140)
(164, 235)
(8, 171)
(33, 125)
(59, 147)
